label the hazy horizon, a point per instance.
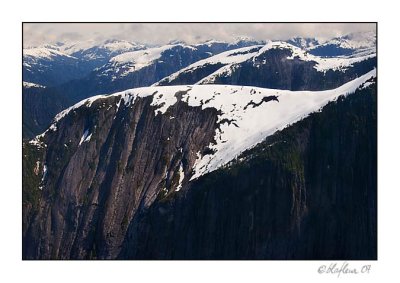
(37, 34)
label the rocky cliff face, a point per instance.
(111, 180)
(102, 166)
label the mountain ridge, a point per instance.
(233, 103)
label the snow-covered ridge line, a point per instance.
(255, 113)
(253, 126)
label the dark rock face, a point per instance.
(307, 192)
(93, 189)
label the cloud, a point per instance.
(160, 33)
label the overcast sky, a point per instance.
(38, 34)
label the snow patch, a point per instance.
(36, 142)
(43, 177)
(32, 85)
(181, 177)
(85, 137)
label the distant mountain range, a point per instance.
(76, 71)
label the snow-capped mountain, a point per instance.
(303, 42)
(355, 44)
(55, 64)
(244, 41)
(129, 62)
(31, 85)
(99, 54)
(275, 65)
(47, 65)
